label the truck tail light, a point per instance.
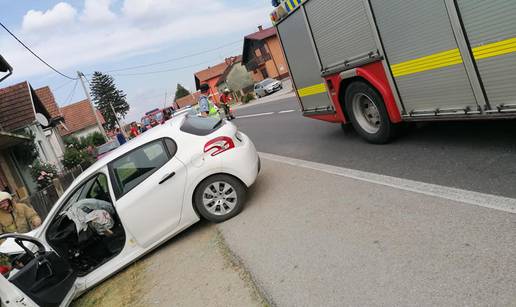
(219, 145)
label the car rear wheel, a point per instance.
(220, 197)
(368, 114)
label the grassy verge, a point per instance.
(120, 290)
(234, 262)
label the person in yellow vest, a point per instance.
(206, 107)
(16, 217)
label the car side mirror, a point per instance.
(5, 68)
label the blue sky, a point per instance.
(109, 35)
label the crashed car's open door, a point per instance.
(10, 295)
(43, 277)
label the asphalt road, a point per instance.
(313, 238)
(477, 156)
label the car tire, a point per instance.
(368, 114)
(220, 197)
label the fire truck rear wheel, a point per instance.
(367, 112)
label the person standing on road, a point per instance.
(16, 217)
(120, 137)
(225, 100)
(134, 130)
(206, 107)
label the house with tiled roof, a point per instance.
(80, 121)
(23, 118)
(46, 96)
(211, 76)
(262, 55)
(236, 78)
(189, 100)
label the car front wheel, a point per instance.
(220, 197)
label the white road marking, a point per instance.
(255, 115)
(465, 196)
(286, 111)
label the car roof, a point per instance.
(148, 136)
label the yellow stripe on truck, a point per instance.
(434, 61)
(495, 49)
(312, 90)
(452, 57)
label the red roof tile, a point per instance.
(47, 98)
(262, 34)
(188, 100)
(78, 116)
(16, 107)
(211, 72)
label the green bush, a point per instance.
(74, 157)
(94, 139)
(73, 142)
(43, 173)
(248, 97)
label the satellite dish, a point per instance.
(42, 120)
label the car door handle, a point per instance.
(167, 177)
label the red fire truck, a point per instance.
(378, 63)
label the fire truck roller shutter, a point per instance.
(423, 53)
(303, 64)
(341, 30)
(491, 30)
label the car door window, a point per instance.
(136, 166)
(99, 189)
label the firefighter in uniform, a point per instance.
(16, 217)
(225, 99)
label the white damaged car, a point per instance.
(128, 203)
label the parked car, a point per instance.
(106, 148)
(144, 193)
(266, 87)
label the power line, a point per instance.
(162, 71)
(62, 86)
(37, 56)
(72, 93)
(177, 58)
(165, 70)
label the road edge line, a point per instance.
(255, 115)
(455, 194)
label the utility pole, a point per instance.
(116, 117)
(87, 93)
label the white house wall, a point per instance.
(85, 132)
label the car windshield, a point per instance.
(267, 82)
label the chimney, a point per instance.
(260, 28)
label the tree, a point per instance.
(108, 98)
(181, 92)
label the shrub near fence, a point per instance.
(43, 201)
